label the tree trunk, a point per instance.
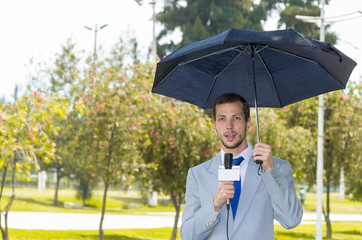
(106, 185)
(101, 236)
(85, 191)
(327, 212)
(5, 234)
(328, 221)
(59, 176)
(176, 201)
(4, 230)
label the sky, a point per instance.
(38, 28)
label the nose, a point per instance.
(229, 124)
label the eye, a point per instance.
(220, 119)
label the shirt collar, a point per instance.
(246, 154)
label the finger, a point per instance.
(262, 145)
(262, 150)
(261, 153)
(258, 153)
(230, 194)
(229, 188)
(227, 185)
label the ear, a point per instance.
(248, 123)
(214, 124)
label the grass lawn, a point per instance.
(29, 199)
(133, 234)
(346, 207)
(341, 231)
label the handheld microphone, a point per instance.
(228, 164)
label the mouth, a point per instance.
(230, 136)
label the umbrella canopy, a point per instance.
(267, 68)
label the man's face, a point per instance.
(231, 127)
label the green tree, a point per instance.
(352, 123)
(175, 137)
(24, 141)
(292, 143)
(198, 20)
(291, 8)
(60, 77)
(342, 139)
(107, 136)
(78, 148)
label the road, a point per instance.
(85, 221)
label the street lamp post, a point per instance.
(95, 39)
(154, 43)
(319, 204)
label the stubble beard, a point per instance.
(240, 136)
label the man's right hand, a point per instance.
(225, 191)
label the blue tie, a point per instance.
(234, 201)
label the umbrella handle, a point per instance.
(260, 169)
(260, 162)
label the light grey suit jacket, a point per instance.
(263, 199)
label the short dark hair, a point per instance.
(230, 98)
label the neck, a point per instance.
(235, 151)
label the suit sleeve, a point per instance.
(279, 183)
(199, 218)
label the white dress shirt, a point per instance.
(246, 154)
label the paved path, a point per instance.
(84, 221)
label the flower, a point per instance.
(31, 134)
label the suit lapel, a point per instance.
(251, 183)
(214, 164)
(213, 169)
(211, 181)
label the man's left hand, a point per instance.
(263, 151)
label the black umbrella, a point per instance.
(268, 68)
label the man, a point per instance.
(302, 197)
(265, 197)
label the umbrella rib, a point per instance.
(217, 76)
(270, 74)
(258, 50)
(306, 59)
(210, 54)
(292, 54)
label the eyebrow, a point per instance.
(234, 115)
